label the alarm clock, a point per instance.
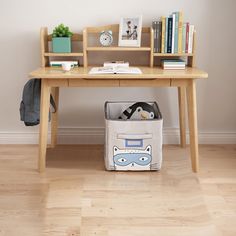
(106, 38)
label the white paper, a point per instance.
(115, 70)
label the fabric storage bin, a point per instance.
(132, 145)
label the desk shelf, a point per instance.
(73, 54)
(148, 49)
(173, 54)
(45, 40)
(90, 32)
(86, 54)
(190, 57)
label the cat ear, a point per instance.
(115, 150)
(148, 149)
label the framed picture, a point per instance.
(130, 31)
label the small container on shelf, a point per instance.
(61, 45)
(61, 39)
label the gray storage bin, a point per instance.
(132, 145)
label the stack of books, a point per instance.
(59, 63)
(172, 35)
(173, 64)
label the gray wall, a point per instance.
(81, 110)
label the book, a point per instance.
(190, 39)
(169, 36)
(180, 32)
(184, 37)
(166, 67)
(173, 61)
(187, 37)
(176, 38)
(59, 63)
(163, 29)
(115, 70)
(166, 33)
(173, 34)
(158, 39)
(154, 26)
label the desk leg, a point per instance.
(182, 120)
(43, 131)
(54, 121)
(192, 120)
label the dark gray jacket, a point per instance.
(30, 104)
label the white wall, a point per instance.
(81, 110)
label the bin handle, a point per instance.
(134, 136)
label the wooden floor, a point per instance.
(76, 196)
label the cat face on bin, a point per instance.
(124, 157)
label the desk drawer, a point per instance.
(93, 83)
(145, 83)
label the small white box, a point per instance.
(132, 145)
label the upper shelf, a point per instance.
(173, 54)
(118, 49)
(72, 54)
(90, 33)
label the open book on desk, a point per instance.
(115, 70)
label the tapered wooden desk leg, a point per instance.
(54, 121)
(192, 120)
(43, 131)
(182, 118)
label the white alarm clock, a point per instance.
(106, 38)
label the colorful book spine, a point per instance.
(159, 23)
(173, 34)
(184, 37)
(190, 39)
(176, 32)
(163, 29)
(154, 26)
(180, 32)
(169, 37)
(187, 37)
(166, 33)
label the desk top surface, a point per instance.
(147, 73)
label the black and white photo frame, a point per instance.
(130, 31)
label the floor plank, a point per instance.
(76, 196)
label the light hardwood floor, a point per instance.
(76, 196)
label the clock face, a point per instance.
(106, 38)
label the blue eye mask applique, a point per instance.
(132, 159)
(128, 158)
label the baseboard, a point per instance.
(89, 135)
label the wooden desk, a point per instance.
(54, 78)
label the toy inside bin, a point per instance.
(132, 145)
